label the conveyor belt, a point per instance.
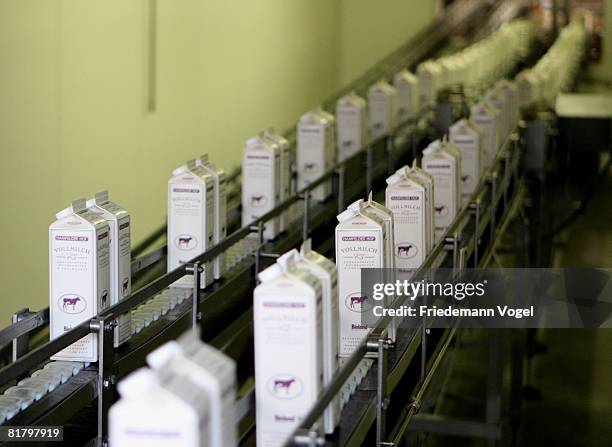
(231, 295)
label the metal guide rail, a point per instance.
(226, 296)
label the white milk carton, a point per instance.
(487, 120)
(425, 179)
(445, 168)
(360, 243)
(467, 139)
(407, 101)
(510, 90)
(327, 273)
(190, 219)
(118, 220)
(351, 128)
(284, 174)
(79, 276)
(288, 357)
(220, 207)
(212, 373)
(429, 76)
(372, 208)
(314, 153)
(498, 100)
(154, 415)
(261, 183)
(406, 197)
(381, 109)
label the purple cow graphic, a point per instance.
(184, 241)
(441, 210)
(257, 200)
(357, 300)
(283, 384)
(309, 166)
(404, 250)
(125, 284)
(70, 301)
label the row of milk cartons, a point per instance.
(295, 314)
(556, 70)
(89, 270)
(186, 398)
(197, 213)
(421, 203)
(477, 65)
(322, 140)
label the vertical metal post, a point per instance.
(305, 230)
(494, 381)
(196, 315)
(340, 184)
(260, 241)
(493, 205)
(379, 344)
(476, 236)
(390, 149)
(104, 328)
(20, 344)
(369, 164)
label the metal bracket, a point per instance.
(305, 230)
(340, 187)
(21, 344)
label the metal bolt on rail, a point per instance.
(308, 438)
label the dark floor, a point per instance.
(571, 376)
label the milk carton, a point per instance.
(79, 276)
(326, 272)
(467, 139)
(372, 208)
(118, 220)
(406, 198)
(288, 370)
(156, 415)
(407, 101)
(487, 120)
(498, 100)
(381, 109)
(429, 76)
(445, 169)
(190, 219)
(315, 152)
(220, 209)
(351, 128)
(511, 92)
(261, 183)
(427, 181)
(284, 174)
(212, 374)
(360, 243)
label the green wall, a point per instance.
(74, 116)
